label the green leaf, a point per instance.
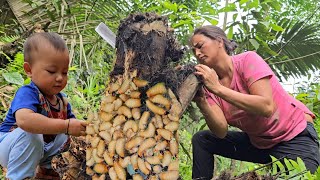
(310, 106)
(230, 33)
(181, 23)
(257, 15)
(214, 22)
(6, 56)
(185, 151)
(302, 96)
(73, 68)
(51, 15)
(182, 6)
(276, 27)
(266, 1)
(280, 165)
(234, 17)
(170, 6)
(317, 173)
(295, 165)
(266, 23)
(301, 164)
(254, 43)
(13, 77)
(243, 1)
(309, 176)
(254, 4)
(27, 81)
(229, 8)
(288, 164)
(274, 165)
(202, 126)
(275, 5)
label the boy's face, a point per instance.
(48, 69)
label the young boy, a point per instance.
(38, 123)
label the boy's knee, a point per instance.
(35, 140)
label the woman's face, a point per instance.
(206, 49)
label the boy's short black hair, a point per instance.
(35, 41)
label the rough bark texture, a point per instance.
(151, 42)
(145, 44)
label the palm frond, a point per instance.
(75, 20)
(301, 53)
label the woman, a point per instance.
(242, 91)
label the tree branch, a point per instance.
(225, 17)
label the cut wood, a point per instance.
(145, 91)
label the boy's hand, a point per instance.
(77, 127)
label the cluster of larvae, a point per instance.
(131, 132)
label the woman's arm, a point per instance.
(259, 101)
(213, 115)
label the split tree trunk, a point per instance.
(146, 49)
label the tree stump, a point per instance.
(135, 133)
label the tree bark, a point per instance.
(147, 48)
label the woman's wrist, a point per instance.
(216, 89)
(202, 102)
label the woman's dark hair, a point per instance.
(214, 32)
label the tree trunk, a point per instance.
(144, 68)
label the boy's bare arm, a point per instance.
(39, 124)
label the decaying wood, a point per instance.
(147, 50)
(187, 91)
(151, 41)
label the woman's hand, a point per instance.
(213, 114)
(200, 97)
(208, 76)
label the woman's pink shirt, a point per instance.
(288, 118)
